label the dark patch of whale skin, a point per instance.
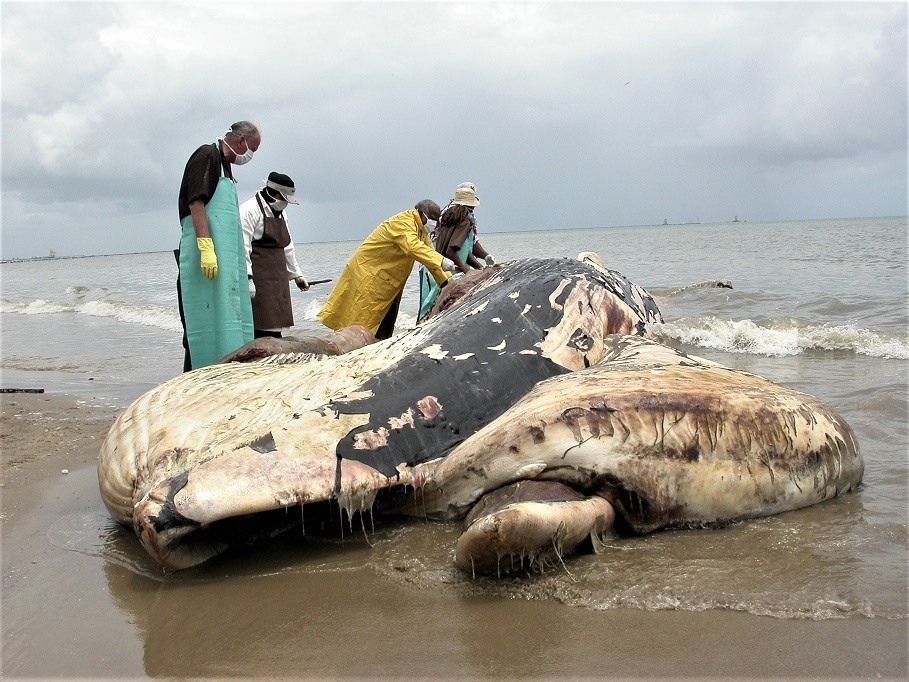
(475, 390)
(168, 517)
(264, 444)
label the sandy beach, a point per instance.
(70, 611)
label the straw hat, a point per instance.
(466, 196)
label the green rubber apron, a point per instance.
(429, 289)
(217, 311)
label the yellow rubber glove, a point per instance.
(209, 261)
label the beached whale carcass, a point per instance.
(191, 458)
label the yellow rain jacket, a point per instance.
(376, 273)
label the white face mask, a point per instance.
(430, 225)
(241, 158)
(278, 205)
(245, 158)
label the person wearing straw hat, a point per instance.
(456, 239)
(458, 233)
(270, 258)
(481, 257)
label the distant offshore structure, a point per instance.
(50, 256)
(697, 221)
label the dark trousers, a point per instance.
(187, 362)
(387, 326)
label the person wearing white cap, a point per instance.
(270, 258)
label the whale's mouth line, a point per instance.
(190, 543)
(324, 521)
(332, 521)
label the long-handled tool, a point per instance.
(317, 281)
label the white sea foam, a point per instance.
(792, 608)
(781, 338)
(38, 307)
(150, 316)
(311, 309)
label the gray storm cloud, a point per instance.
(564, 114)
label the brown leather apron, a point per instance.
(272, 306)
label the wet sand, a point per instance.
(73, 608)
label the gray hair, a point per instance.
(244, 129)
(426, 206)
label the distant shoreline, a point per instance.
(548, 229)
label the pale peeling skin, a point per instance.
(671, 441)
(212, 434)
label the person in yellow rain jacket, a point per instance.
(368, 293)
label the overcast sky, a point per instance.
(564, 114)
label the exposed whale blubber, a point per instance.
(530, 524)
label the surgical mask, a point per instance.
(245, 158)
(278, 205)
(430, 225)
(241, 158)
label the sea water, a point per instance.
(821, 306)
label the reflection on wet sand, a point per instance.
(325, 608)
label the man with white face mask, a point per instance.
(211, 284)
(270, 258)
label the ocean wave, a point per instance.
(38, 307)
(81, 291)
(149, 316)
(782, 337)
(820, 609)
(35, 365)
(582, 586)
(710, 284)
